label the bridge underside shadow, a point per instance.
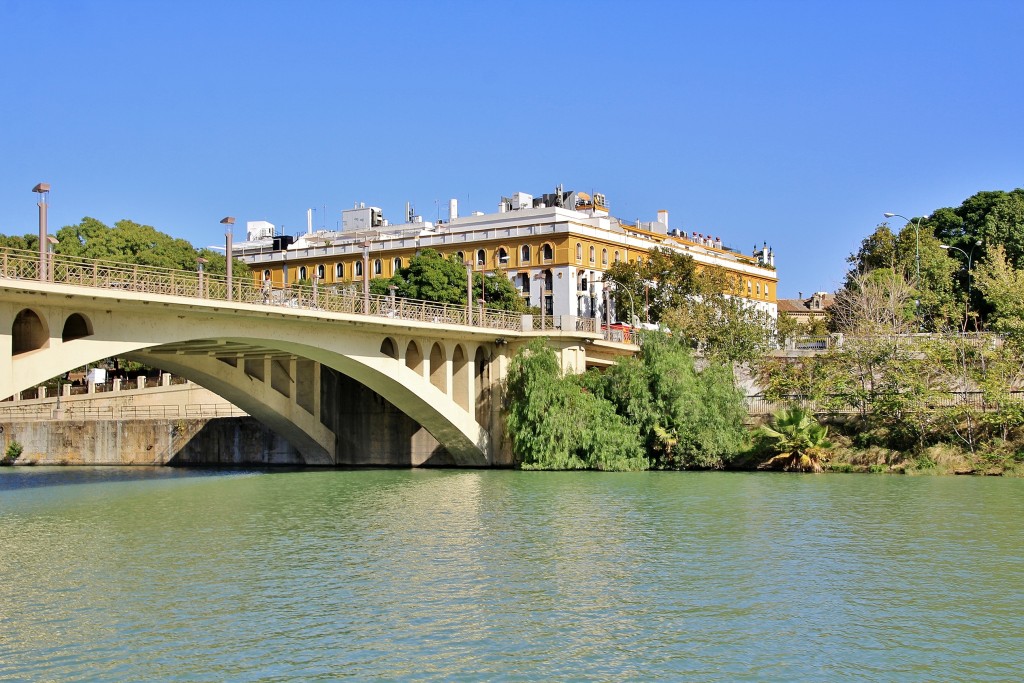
(326, 416)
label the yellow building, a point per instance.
(554, 248)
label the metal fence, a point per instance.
(25, 265)
(758, 404)
(70, 411)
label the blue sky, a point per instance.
(795, 123)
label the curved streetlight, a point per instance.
(967, 303)
(917, 246)
(632, 309)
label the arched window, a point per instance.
(398, 264)
(303, 273)
(547, 253)
(502, 256)
(604, 257)
(339, 270)
(616, 255)
(524, 253)
(459, 255)
(639, 260)
(481, 257)
(759, 289)
(378, 267)
(266, 274)
(592, 257)
(320, 272)
(579, 252)
(749, 287)
(766, 291)
(359, 268)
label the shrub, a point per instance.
(12, 453)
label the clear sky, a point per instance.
(795, 123)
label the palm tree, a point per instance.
(798, 440)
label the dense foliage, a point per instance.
(128, 242)
(433, 277)
(662, 282)
(653, 410)
(556, 425)
(985, 230)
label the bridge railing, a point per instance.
(112, 275)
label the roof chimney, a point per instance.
(663, 218)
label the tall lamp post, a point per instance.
(43, 190)
(632, 309)
(917, 244)
(967, 303)
(469, 291)
(366, 277)
(228, 222)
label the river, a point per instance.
(435, 575)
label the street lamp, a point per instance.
(228, 222)
(469, 291)
(967, 303)
(51, 247)
(632, 310)
(43, 190)
(542, 277)
(917, 245)
(366, 277)
(201, 262)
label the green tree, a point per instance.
(131, 243)
(719, 323)
(1003, 288)
(662, 282)
(432, 277)
(686, 418)
(556, 424)
(916, 255)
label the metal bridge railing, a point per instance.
(110, 275)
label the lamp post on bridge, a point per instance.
(228, 222)
(543, 278)
(51, 247)
(469, 291)
(43, 190)
(632, 308)
(366, 277)
(201, 262)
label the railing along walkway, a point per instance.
(71, 411)
(111, 275)
(758, 404)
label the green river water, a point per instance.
(138, 574)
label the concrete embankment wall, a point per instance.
(210, 441)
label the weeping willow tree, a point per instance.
(655, 410)
(556, 424)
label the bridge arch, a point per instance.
(388, 348)
(76, 326)
(29, 332)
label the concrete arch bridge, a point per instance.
(346, 380)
